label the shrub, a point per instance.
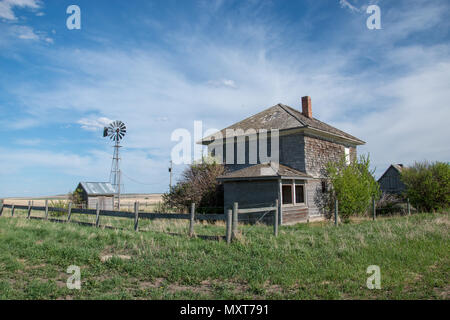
(428, 185)
(390, 204)
(353, 185)
(62, 204)
(198, 185)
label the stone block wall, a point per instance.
(318, 152)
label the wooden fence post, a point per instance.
(191, 221)
(1, 207)
(12, 211)
(69, 211)
(29, 210)
(374, 208)
(409, 207)
(336, 212)
(229, 223)
(136, 216)
(275, 219)
(97, 218)
(46, 209)
(234, 232)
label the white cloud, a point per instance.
(94, 124)
(401, 114)
(26, 33)
(223, 83)
(347, 4)
(7, 7)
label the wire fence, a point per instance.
(66, 215)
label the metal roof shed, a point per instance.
(97, 192)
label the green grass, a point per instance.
(306, 261)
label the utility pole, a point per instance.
(170, 173)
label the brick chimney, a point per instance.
(306, 106)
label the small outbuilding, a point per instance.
(390, 181)
(97, 192)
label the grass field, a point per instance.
(307, 261)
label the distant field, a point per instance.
(126, 200)
(306, 261)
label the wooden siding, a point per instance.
(105, 203)
(294, 214)
(390, 182)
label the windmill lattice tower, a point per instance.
(115, 131)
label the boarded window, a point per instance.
(287, 194)
(299, 194)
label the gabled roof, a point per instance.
(283, 117)
(98, 188)
(264, 170)
(397, 167)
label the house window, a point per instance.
(347, 155)
(324, 187)
(299, 194)
(287, 194)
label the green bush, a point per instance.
(62, 204)
(353, 185)
(428, 185)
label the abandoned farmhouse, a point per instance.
(305, 146)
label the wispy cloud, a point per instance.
(7, 7)
(15, 28)
(94, 124)
(348, 5)
(223, 83)
(383, 88)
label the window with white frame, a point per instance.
(347, 155)
(292, 193)
(299, 193)
(286, 193)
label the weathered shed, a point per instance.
(390, 181)
(97, 192)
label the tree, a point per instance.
(198, 185)
(76, 197)
(428, 185)
(353, 185)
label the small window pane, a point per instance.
(287, 194)
(299, 195)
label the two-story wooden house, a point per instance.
(294, 174)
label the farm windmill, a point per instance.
(115, 131)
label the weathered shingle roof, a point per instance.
(264, 170)
(283, 117)
(98, 188)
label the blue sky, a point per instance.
(160, 65)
